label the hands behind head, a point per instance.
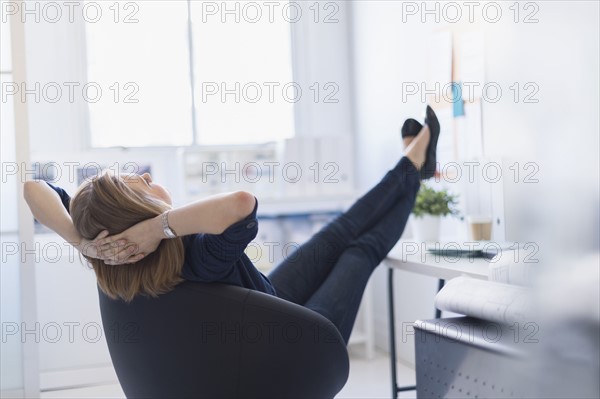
(127, 247)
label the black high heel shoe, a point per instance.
(411, 128)
(431, 120)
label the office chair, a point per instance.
(213, 340)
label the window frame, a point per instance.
(295, 48)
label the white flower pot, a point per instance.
(426, 228)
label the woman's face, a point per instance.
(145, 184)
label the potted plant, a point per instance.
(429, 208)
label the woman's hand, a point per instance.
(131, 245)
(89, 247)
(121, 252)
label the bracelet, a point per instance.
(169, 232)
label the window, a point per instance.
(188, 72)
(141, 66)
(242, 74)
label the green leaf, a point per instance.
(436, 203)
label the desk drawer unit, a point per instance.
(469, 358)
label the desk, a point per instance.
(412, 257)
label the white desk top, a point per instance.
(412, 257)
(269, 207)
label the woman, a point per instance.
(138, 244)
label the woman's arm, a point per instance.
(212, 215)
(48, 209)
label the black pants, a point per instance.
(329, 273)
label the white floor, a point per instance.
(368, 379)
(372, 378)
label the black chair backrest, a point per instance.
(212, 340)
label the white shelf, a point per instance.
(269, 207)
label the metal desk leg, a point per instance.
(438, 313)
(392, 332)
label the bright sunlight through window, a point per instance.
(232, 85)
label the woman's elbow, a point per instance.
(28, 189)
(244, 203)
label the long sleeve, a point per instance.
(64, 197)
(212, 257)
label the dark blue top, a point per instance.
(217, 257)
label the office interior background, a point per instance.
(300, 103)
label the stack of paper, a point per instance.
(486, 300)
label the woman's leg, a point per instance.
(303, 272)
(338, 297)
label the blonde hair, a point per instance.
(107, 203)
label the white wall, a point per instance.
(560, 54)
(560, 132)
